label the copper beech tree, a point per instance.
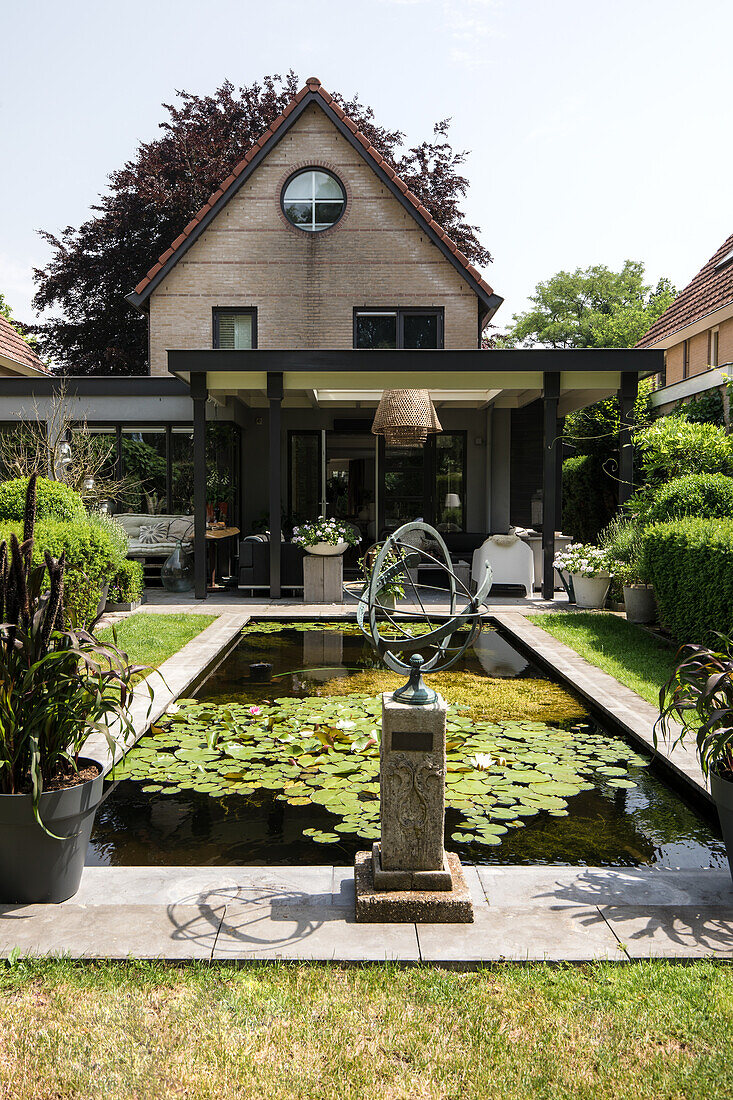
(154, 195)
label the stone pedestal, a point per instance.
(409, 876)
(323, 579)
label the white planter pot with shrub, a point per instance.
(589, 570)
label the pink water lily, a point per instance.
(254, 710)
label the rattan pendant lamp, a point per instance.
(406, 418)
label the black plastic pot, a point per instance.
(33, 866)
(722, 792)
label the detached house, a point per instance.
(311, 281)
(17, 357)
(696, 334)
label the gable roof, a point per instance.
(711, 289)
(15, 353)
(314, 92)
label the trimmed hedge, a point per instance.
(690, 564)
(92, 558)
(589, 498)
(127, 587)
(709, 496)
(54, 501)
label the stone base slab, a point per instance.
(409, 880)
(452, 906)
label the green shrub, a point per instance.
(92, 557)
(708, 408)
(709, 496)
(588, 498)
(690, 564)
(622, 538)
(54, 500)
(673, 446)
(127, 587)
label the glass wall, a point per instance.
(152, 467)
(427, 483)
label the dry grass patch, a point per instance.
(142, 1030)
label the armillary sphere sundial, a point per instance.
(399, 561)
(408, 875)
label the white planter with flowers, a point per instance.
(325, 537)
(327, 549)
(589, 568)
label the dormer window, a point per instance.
(313, 200)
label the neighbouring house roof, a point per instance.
(710, 290)
(15, 353)
(314, 92)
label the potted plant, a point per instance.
(699, 695)
(56, 685)
(326, 537)
(589, 568)
(392, 591)
(622, 539)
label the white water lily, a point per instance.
(482, 760)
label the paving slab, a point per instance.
(111, 931)
(318, 933)
(576, 934)
(685, 931)
(565, 887)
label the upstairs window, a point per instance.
(313, 200)
(380, 329)
(713, 348)
(235, 329)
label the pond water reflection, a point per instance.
(563, 792)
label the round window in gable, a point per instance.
(313, 200)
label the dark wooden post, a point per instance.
(199, 395)
(275, 396)
(558, 472)
(550, 397)
(626, 399)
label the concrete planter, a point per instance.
(590, 591)
(640, 603)
(722, 792)
(326, 549)
(35, 867)
(111, 606)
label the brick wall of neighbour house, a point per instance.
(306, 285)
(699, 353)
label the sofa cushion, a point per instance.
(180, 528)
(151, 533)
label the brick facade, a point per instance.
(303, 285)
(699, 353)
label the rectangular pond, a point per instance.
(285, 770)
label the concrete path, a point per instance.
(243, 914)
(604, 693)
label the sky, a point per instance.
(597, 132)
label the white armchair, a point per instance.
(511, 561)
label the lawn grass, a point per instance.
(634, 656)
(144, 1030)
(150, 639)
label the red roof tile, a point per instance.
(313, 87)
(13, 346)
(711, 289)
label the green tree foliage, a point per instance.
(591, 307)
(156, 193)
(590, 486)
(673, 446)
(20, 328)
